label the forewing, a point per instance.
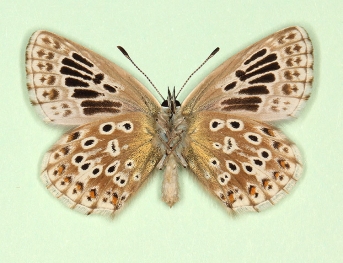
(72, 85)
(97, 167)
(270, 80)
(247, 164)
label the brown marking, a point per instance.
(56, 156)
(67, 113)
(297, 48)
(50, 55)
(285, 149)
(42, 79)
(49, 67)
(59, 170)
(291, 36)
(288, 75)
(57, 44)
(298, 60)
(288, 51)
(65, 106)
(287, 89)
(51, 80)
(280, 40)
(296, 73)
(46, 40)
(289, 62)
(41, 53)
(51, 94)
(40, 65)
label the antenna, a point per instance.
(122, 50)
(207, 59)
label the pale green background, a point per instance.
(168, 40)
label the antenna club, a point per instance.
(215, 51)
(122, 50)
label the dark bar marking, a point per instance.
(244, 101)
(71, 72)
(255, 90)
(101, 104)
(251, 107)
(98, 78)
(81, 59)
(230, 86)
(93, 111)
(86, 94)
(267, 59)
(71, 82)
(109, 88)
(267, 78)
(255, 56)
(73, 64)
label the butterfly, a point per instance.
(221, 133)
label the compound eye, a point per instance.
(165, 104)
(178, 104)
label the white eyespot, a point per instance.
(235, 124)
(89, 142)
(125, 126)
(232, 167)
(229, 145)
(224, 178)
(78, 159)
(107, 128)
(248, 168)
(136, 176)
(129, 164)
(125, 147)
(264, 154)
(96, 171)
(113, 148)
(216, 124)
(207, 175)
(112, 168)
(253, 138)
(217, 145)
(214, 162)
(120, 179)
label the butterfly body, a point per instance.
(221, 132)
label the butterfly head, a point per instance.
(171, 102)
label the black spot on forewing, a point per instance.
(86, 94)
(109, 88)
(82, 59)
(230, 86)
(258, 54)
(98, 78)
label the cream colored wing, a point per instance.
(97, 167)
(72, 85)
(246, 164)
(270, 80)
